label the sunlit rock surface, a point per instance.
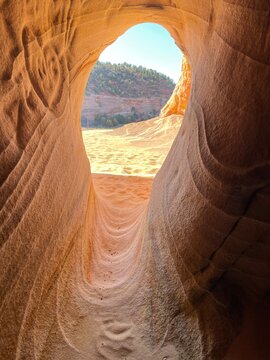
(178, 102)
(96, 271)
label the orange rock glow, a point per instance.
(116, 270)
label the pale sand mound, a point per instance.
(134, 149)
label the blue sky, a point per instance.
(149, 45)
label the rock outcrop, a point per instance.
(94, 105)
(178, 102)
(184, 275)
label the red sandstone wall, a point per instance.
(104, 104)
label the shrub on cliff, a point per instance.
(129, 81)
(110, 121)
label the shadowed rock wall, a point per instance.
(191, 273)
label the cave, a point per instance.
(130, 83)
(133, 78)
(193, 281)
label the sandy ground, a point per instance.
(137, 149)
(117, 241)
(124, 162)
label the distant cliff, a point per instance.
(117, 94)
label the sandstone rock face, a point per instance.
(183, 275)
(105, 104)
(178, 102)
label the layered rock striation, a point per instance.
(94, 105)
(182, 275)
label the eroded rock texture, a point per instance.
(178, 102)
(183, 276)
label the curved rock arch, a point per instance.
(194, 287)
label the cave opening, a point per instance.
(132, 112)
(127, 125)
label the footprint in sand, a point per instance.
(118, 341)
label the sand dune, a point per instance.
(136, 149)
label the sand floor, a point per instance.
(124, 162)
(137, 149)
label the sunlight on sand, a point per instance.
(136, 149)
(124, 162)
